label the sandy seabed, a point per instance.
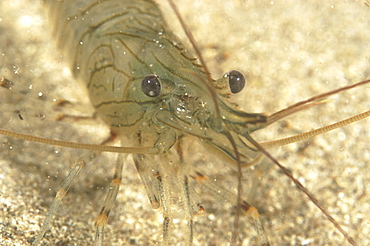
(289, 50)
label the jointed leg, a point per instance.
(78, 165)
(109, 202)
(227, 195)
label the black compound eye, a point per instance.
(151, 86)
(236, 81)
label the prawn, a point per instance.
(169, 136)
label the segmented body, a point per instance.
(147, 87)
(275, 187)
(113, 45)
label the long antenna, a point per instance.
(201, 60)
(217, 118)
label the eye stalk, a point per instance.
(151, 86)
(236, 81)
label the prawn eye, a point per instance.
(151, 86)
(236, 81)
